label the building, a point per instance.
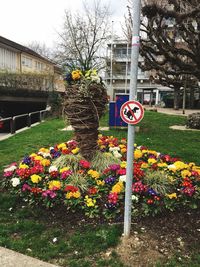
(118, 74)
(18, 59)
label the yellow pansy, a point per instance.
(94, 174)
(35, 178)
(64, 169)
(89, 201)
(179, 165)
(137, 154)
(152, 161)
(62, 146)
(76, 194)
(75, 150)
(76, 74)
(144, 165)
(45, 162)
(44, 150)
(100, 183)
(171, 196)
(54, 184)
(123, 164)
(118, 187)
(162, 165)
(185, 173)
(38, 158)
(23, 166)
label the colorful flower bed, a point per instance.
(160, 182)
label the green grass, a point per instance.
(28, 231)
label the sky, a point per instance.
(27, 21)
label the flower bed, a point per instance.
(59, 176)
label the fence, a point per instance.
(27, 119)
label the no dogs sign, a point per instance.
(132, 112)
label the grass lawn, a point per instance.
(64, 240)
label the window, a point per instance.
(39, 65)
(27, 62)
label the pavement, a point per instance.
(172, 111)
(10, 258)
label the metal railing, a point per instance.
(28, 121)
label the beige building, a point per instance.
(15, 58)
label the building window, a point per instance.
(39, 65)
(27, 62)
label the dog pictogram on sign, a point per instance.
(132, 112)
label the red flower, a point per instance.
(92, 191)
(85, 164)
(71, 188)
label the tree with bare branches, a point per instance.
(171, 42)
(84, 36)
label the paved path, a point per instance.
(10, 258)
(171, 111)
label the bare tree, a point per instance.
(84, 36)
(41, 49)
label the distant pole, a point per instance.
(111, 64)
(136, 9)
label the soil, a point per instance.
(160, 238)
(152, 239)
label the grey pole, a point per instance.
(131, 128)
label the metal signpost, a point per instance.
(131, 128)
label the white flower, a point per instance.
(10, 169)
(112, 149)
(172, 167)
(135, 198)
(15, 181)
(53, 169)
(122, 178)
(55, 239)
(117, 154)
(45, 155)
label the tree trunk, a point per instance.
(83, 113)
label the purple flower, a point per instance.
(26, 187)
(49, 193)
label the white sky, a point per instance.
(25, 21)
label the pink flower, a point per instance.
(85, 164)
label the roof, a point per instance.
(22, 48)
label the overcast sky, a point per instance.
(24, 21)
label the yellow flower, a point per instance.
(89, 201)
(76, 74)
(100, 183)
(179, 165)
(153, 152)
(64, 169)
(69, 195)
(39, 158)
(137, 154)
(123, 150)
(62, 146)
(185, 173)
(152, 161)
(76, 194)
(102, 147)
(118, 187)
(171, 196)
(44, 150)
(123, 164)
(144, 165)
(35, 178)
(75, 150)
(23, 166)
(162, 165)
(94, 174)
(33, 155)
(46, 162)
(54, 184)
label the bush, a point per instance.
(193, 121)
